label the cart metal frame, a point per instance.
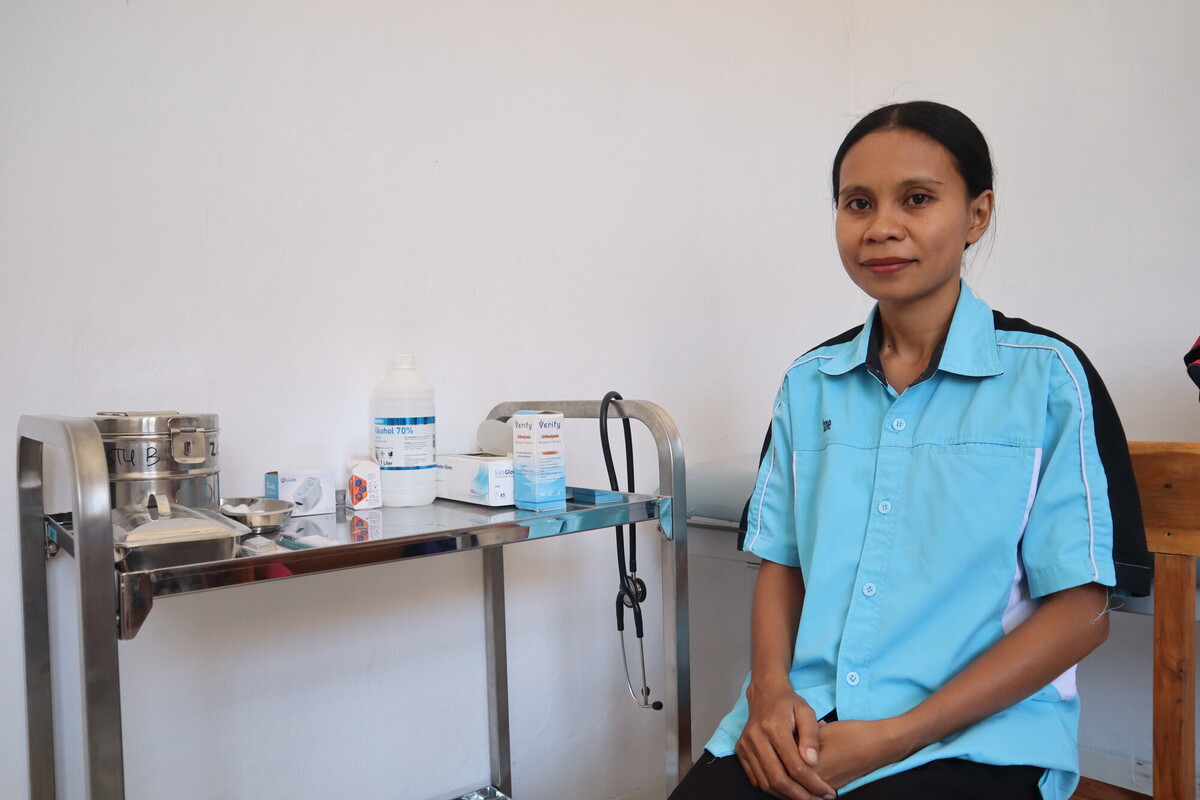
(113, 605)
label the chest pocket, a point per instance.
(973, 497)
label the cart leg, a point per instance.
(497, 664)
(35, 601)
(104, 764)
(677, 658)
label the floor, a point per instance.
(1094, 790)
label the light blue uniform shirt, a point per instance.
(927, 524)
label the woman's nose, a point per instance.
(885, 225)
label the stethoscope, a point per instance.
(632, 591)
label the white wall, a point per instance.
(247, 207)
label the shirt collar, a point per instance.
(969, 348)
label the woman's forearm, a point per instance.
(778, 598)
(1065, 627)
(779, 746)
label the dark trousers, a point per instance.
(948, 779)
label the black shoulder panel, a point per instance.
(841, 338)
(1134, 566)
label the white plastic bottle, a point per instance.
(403, 432)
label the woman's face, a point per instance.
(904, 217)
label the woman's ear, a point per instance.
(980, 215)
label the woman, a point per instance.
(944, 503)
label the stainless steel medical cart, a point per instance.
(113, 605)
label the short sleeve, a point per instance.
(1069, 534)
(770, 515)
(1131, 558)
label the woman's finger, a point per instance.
(808, 734)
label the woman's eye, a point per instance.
(857, 204)
(918, 199)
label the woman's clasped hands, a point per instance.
(788, 754)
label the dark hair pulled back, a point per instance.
(947, 126)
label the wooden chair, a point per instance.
(1168, 478)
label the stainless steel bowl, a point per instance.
(152, 535)
(259, 514)
(175, 554)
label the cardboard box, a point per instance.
(539, 478)
(312, 490)
(364, 488)
(476, 478)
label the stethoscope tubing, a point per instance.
(632, 590)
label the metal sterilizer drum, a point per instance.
(161, 452)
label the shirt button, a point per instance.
(884, 507)
(852, 678)
(898, 424)
(868, 589)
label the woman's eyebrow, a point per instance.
(906, 184)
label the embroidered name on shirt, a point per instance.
(826, 424)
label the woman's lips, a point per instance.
(886, 266)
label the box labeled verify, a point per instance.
(540, 479)
(476, 478)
